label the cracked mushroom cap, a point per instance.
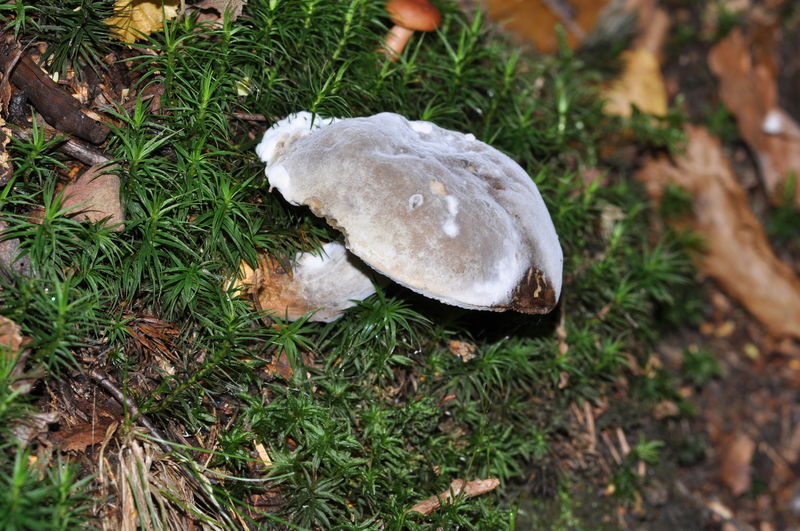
(437, 211)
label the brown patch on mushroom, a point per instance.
(533, 294)
(438, 187)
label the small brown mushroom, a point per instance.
(408, 16)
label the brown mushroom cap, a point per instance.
(417, 15)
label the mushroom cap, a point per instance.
(328, 282)
(435, 210)
(417, 15)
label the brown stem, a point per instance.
(396, 39)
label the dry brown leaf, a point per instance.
(279, 365)
(95, 196)
(10, 337)
(746, 69)
(536, 20)
(463, 349)
(272, 288)
(735, 468)
(458, 488)
(641, 83)
(83, 435)
(134, 18)
(737, 254)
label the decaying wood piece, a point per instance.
(61, 110)
(458, 487)
(737, 254)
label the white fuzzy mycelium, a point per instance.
(330, 281)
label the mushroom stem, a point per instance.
(396, 40)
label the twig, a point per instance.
(458, 487)
(590, 427)
(250, 117)
(136, 415)
(187, 466)
(612, 450)
(73, 147)
(85, 153)
(715, 508)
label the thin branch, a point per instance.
(126, 402)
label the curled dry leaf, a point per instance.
(458, 488)
(737, 253)
(95, 196)
(748, 87)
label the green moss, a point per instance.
(377, 414)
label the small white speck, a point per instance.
(452, 205)
(470, 137)
(450, 226)
(773, 123)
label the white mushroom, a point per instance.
(328, 282)
(435, 210)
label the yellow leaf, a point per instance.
(641, 84)
(134, 18)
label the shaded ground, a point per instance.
(734, 463)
